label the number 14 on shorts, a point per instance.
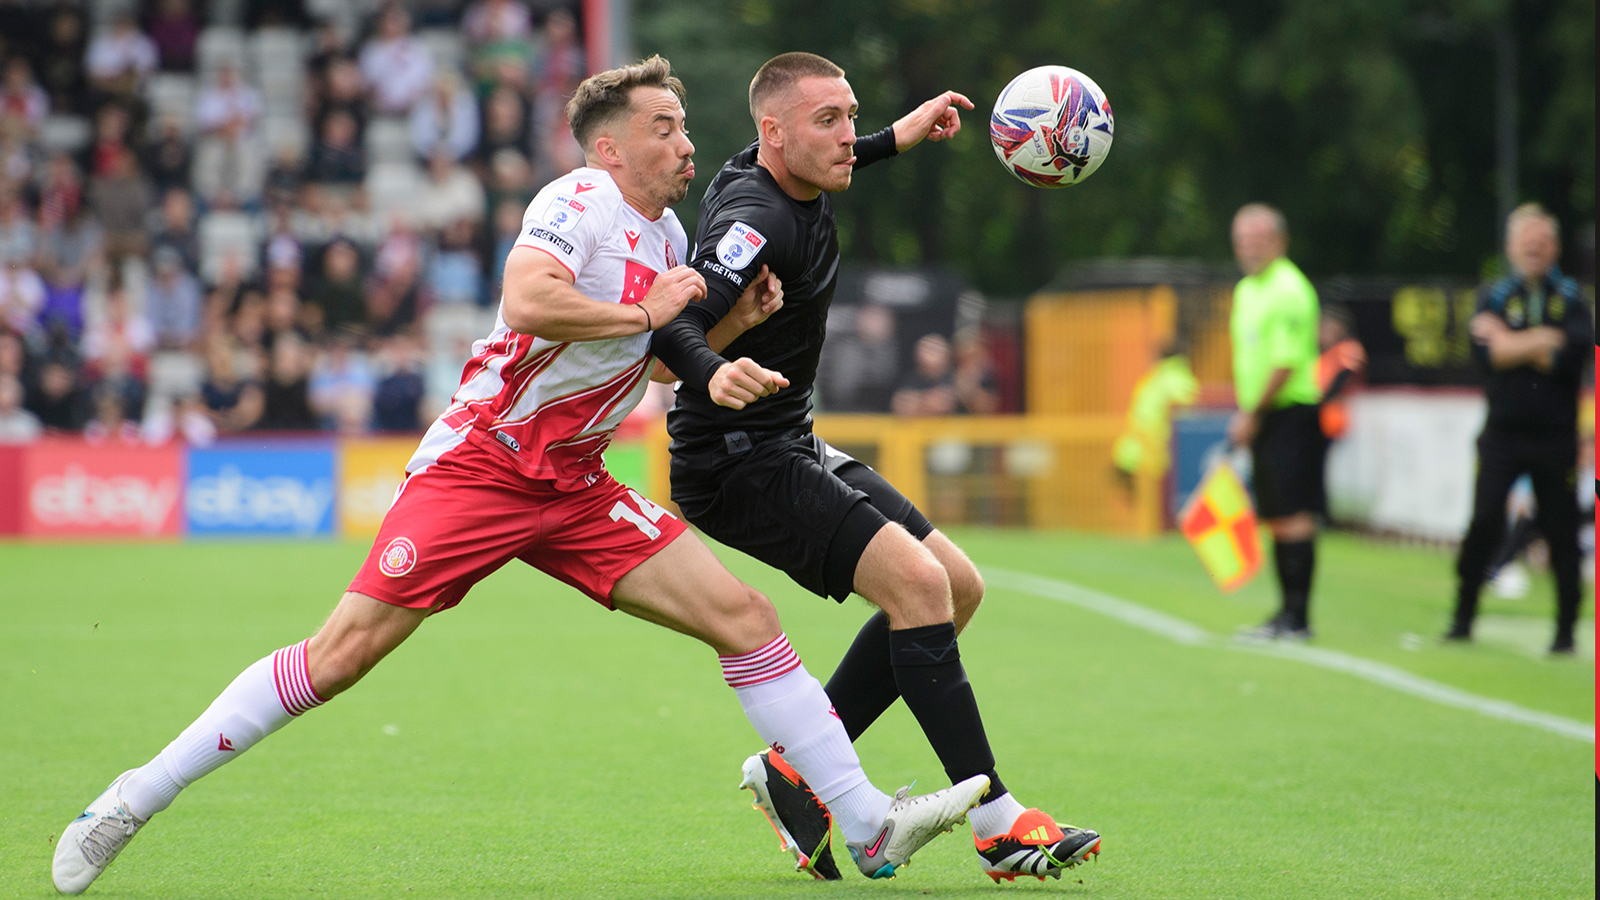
(644, 518)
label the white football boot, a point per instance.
(91, 841)
(914, 821)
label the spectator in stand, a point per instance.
(445, 120)
(229, 163)
(397, 400)
(342, 92)
(450, 194)
(505, 126)
(69, 256)
(285, 314)
(17, 425)
(862, 365)
(119, 332)
(21, 98)
(173, 226)
(182, 416)
(392, 291)
(507, 228)
(110, 140)
(498, 32)
(558, 68)
(339, 294)
(61, 69)
(60, 191)
(16, 152)
(233, 403)
(121, 200)
(13, 355)
(285, 391)
(173, 302)
(19, 240)
(120, 57)
(22, 294)
(59, 400)
(395, 66)
(929, 390)
(342, 386)
(167, 159)
(455, 273)
(338, 157)
(115, 411)
(174, 27)
(977, 391)
(511, 181)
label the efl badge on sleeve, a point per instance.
(1220, 524)
(739, 246)
(563, 213)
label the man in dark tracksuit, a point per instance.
(1532, 331)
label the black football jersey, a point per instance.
(747, 221)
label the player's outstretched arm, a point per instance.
(540, 300)
(759, 301)
(938, 119)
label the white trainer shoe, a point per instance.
(91, 841)
(913, 822)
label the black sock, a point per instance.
(927, 669)
(863, 685)
(1295, 561)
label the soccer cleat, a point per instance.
(914, 821)
(803, 824)
(91, 841)
(1036, 845)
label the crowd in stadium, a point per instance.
(213, 228)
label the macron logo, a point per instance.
(223, 743)
(583, 186)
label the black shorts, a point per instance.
(792, 502)
(1287, 456)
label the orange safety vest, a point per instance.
(1347, 354)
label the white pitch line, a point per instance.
(1190, 634)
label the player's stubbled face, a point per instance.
(819, 128)
(656, 150)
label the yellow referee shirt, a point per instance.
(1274, 326)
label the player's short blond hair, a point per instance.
(1533, 212)
(606, 96)
(782, 72)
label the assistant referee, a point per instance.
(1274, 331)
(1531, 331)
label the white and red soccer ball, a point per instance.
(1051, 126)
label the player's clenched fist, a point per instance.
(671, 292)
(742, 382)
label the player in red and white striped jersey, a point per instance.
(513, 470)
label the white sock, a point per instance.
(995, 817)
(264, 698)
(791, 712)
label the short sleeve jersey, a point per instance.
(747, 221)
(1274, 326)
(552, 406)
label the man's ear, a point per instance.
(770, 131)
(606, 150)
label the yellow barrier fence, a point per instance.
(1037, 470)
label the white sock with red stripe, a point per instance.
(264, 698)
(791, 712)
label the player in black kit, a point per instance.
(747, 470)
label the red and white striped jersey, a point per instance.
(552, 406)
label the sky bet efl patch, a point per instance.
(739, 246)
(563, 213)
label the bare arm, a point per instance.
(1245, 423)
(540, 300)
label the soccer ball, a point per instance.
(1051, 126)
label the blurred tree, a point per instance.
(1370, 122)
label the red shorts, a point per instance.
(458, 520)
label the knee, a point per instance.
(745, 621)
(921, 595)
(335, 662)
(966, 592)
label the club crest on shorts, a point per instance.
(739, 246)
(398, 558)
(563, 213)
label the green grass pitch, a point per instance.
(529, 744)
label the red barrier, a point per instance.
(11, 489)
(69, 488)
